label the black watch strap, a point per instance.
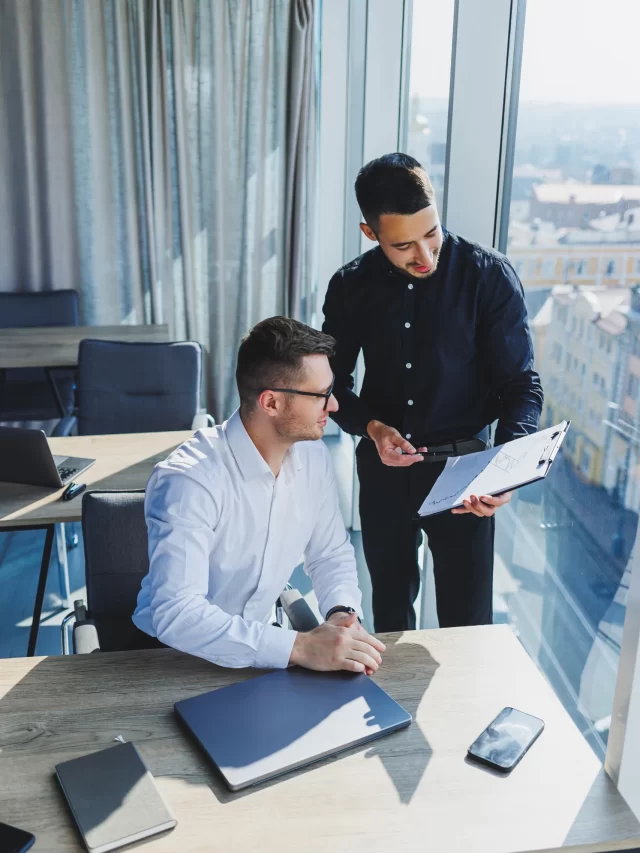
(341, 608)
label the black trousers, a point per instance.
(461, 546)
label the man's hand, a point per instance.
(483, 507)
(390, 445)
(333, 646)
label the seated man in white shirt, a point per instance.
(232, 510)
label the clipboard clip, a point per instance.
(548, 454)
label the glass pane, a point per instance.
(562, 550)
(430, 70)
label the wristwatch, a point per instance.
(341, 608)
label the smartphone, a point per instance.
(503, 743)
(14, 840)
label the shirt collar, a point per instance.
(249, 459)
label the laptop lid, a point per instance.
(25, 457)
(266, 726)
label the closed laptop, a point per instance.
(261, 728)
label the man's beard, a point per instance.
(422, 276)
(291, 429)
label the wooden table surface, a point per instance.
(57, 346)
(122, 462)
(410, 791)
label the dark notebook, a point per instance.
(113, 798)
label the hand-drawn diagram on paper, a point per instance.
(490, 472)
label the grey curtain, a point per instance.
(158, 156)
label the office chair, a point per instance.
(27, 394)
(116, 560)
(135, 387)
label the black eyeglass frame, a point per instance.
(327, 395)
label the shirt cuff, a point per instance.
(274, 648)
(344, 597)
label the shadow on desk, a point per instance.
(601, 803)
(406, 761)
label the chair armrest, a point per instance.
(65, 426)
(85, 635)
(85, 638)
(299, 614)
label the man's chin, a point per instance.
(414, 273)
(314, 433)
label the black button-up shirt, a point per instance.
(444, 356)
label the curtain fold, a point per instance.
(158, 156)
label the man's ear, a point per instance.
(368, 232)
(268, 403)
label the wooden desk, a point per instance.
(411, 791)
(57, 346)
(122, 462)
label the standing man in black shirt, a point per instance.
(443, 327)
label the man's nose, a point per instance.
(425, 255)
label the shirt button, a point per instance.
(408, 435)
(410, 402)
(408, 365)
(407, 325)
(410, 287)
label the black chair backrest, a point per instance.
(116, 560)
(137, 387)
(44, 308)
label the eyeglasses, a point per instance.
(326, 396)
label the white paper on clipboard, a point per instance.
(499, 469)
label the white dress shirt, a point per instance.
(224, 538)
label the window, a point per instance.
(429, 76)
(572, 115)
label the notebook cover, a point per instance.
(113, 798)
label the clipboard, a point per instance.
(495, 471)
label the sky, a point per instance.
(575, 51)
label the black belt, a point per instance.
(441, 452)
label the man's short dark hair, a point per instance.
(394, 183)
(270, 356)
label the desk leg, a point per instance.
(42, 583)
(56, 393)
